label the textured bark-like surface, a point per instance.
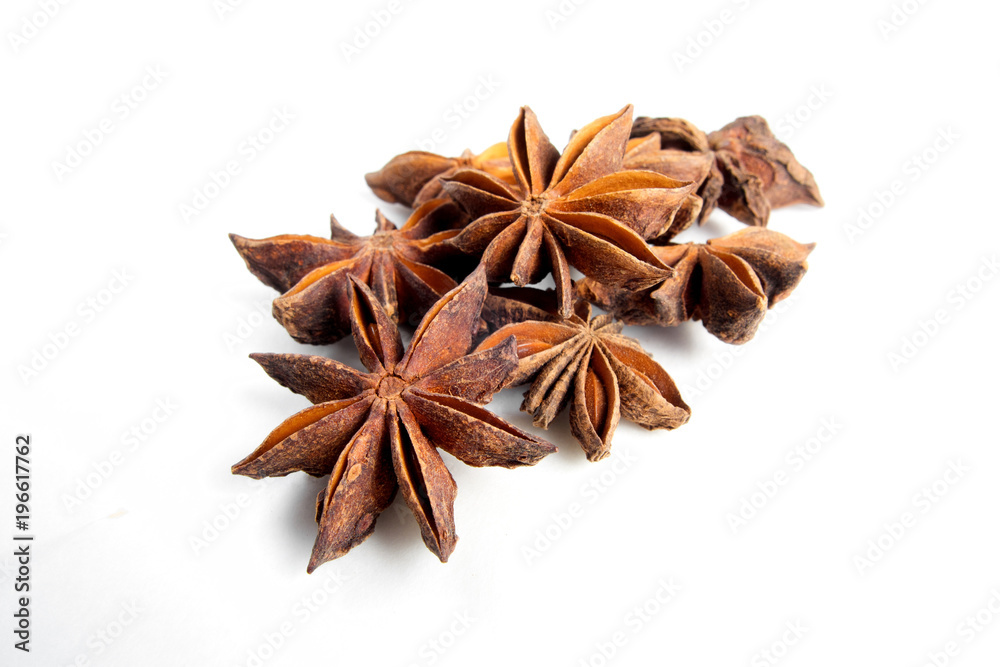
(645, 153)
(750, 171)
(414, 178)
(577, 208)
(588, 364)
(313, 273)
(728, 284)
(380, 431)
(757, 151)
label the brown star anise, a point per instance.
(609, 375)
(378, 431)
(752, 172)
(645, 153)
(728, 284)
(576, 209)
(312, 272)
(508, 304)
(414, 178)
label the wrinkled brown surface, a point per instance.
(577, 208)
(589, 365)
(380, 431)
(758, 152)
(674, 133)
(414, 178)
(506, 305)
(728, 284)
(312, 273)
(751, 172)
(645, 153)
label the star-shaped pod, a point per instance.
(377, 432)
(575, 209)
(589, 364)
(312, 273)
(414, 178)
(752, 172)
(728, 284)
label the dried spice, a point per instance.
(607, 375)
(312, 272)
(752, 151)
(610, 205)
(575, 209)
(645, 153)
(506, 305)
(728, 284)
(752, 172)
(414, 178)
(378, 431)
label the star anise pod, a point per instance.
(508, 304)
(312, 272)
(646, 153)
(752, 173)
(589, 364)
(378, 431)
(576, 209)
(414, 178)
(728, 284)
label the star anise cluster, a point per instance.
(598, 219)
(742, 168)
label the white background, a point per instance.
(182, 327)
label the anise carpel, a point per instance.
(312, 272)
(609, 206)
(589, 364)
(751, 172)
(575, 209)
(508, 304)
(728, 284)
(378, 431)
(646, 153)
(414, 178)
